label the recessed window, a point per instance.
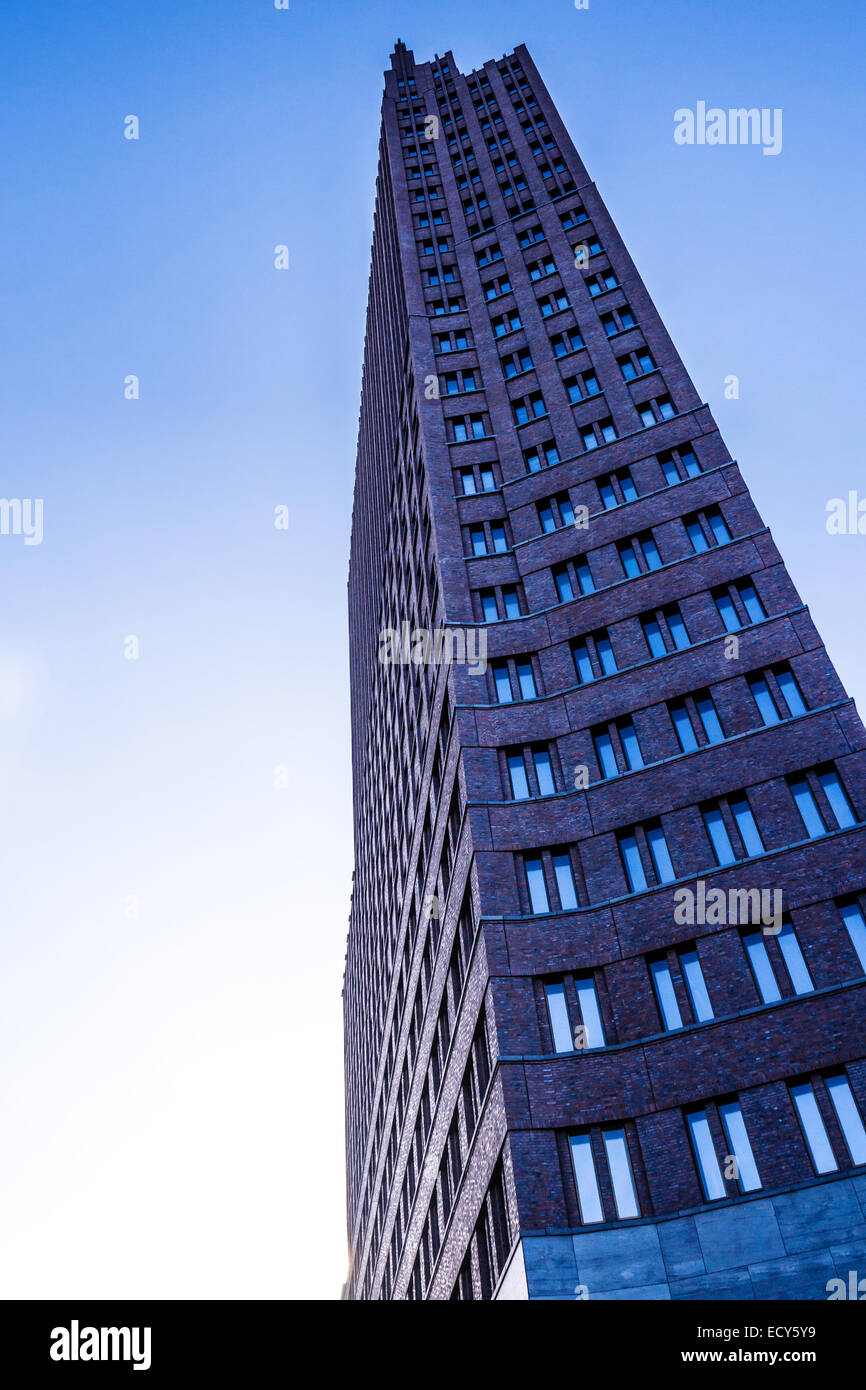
(856, 928)
(814, 1130)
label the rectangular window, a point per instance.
(630, 745)
(759, 960)
(856, 928)
(719, 837)
(791, 692)
(526, 680)
(511, 601)
(562, 579)
(804, 800)
(663, 985)
(764, 700)
(705, 1155)
(747, 826)
(565, 882)
(538, 898)
(517, 774)
(683, 726)
(831, 785)
(590, 1014)
(709, 718)
(739, 1147)
(605, 754)
(502, 681)
(543, 772)
(795, 961)
(632, 863)
(622, 1181)
(489, 611)
(815, 1133)
(557, 1010)
(693, 975)
(588, 1195)
(850, 1121)
(664, 869)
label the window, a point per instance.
(739, 1147)
(699, 999)
(831, 785)
(605, 754)
(588, 1195)
(814, 1131)
(639, 554)
(662, 981)
(616, 488)
(477, 540)
(543, 771)
(536, 885)
(467, 480)
(566, 342)
(630, 746)
(560, 1024)
(602, 432)
(763, 699)
(506, 323)
(586, 1179)
(618, 321)
(553, 303)
(795, 963)
(719, 837)
(518, 362)
(540, 456)
(636, 364)
(517, 774)
(706, 529)
(759, 960)
(500, 540)
(727, 609)
(592, 654)
(705, 1155)
(682, 726)
(856, 928)
(622, 1181)
(661, 860)
(651, 412)
(746, 824)
(790, 691)
(848, 1115)
(565, 881)
(632, 861)
(511, 601)
(502, 682)
(526, 678)
(654, 634)
(679, 463)
(489, 610)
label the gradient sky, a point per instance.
(173, 925)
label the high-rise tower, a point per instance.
(607, 946)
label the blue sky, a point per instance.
(174, 925)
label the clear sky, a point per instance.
(173, 923)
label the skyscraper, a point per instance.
(607, 941)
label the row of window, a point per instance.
(721, 1147)
(732, 833)
(737, 605)
(694, 719)
(778, 969)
